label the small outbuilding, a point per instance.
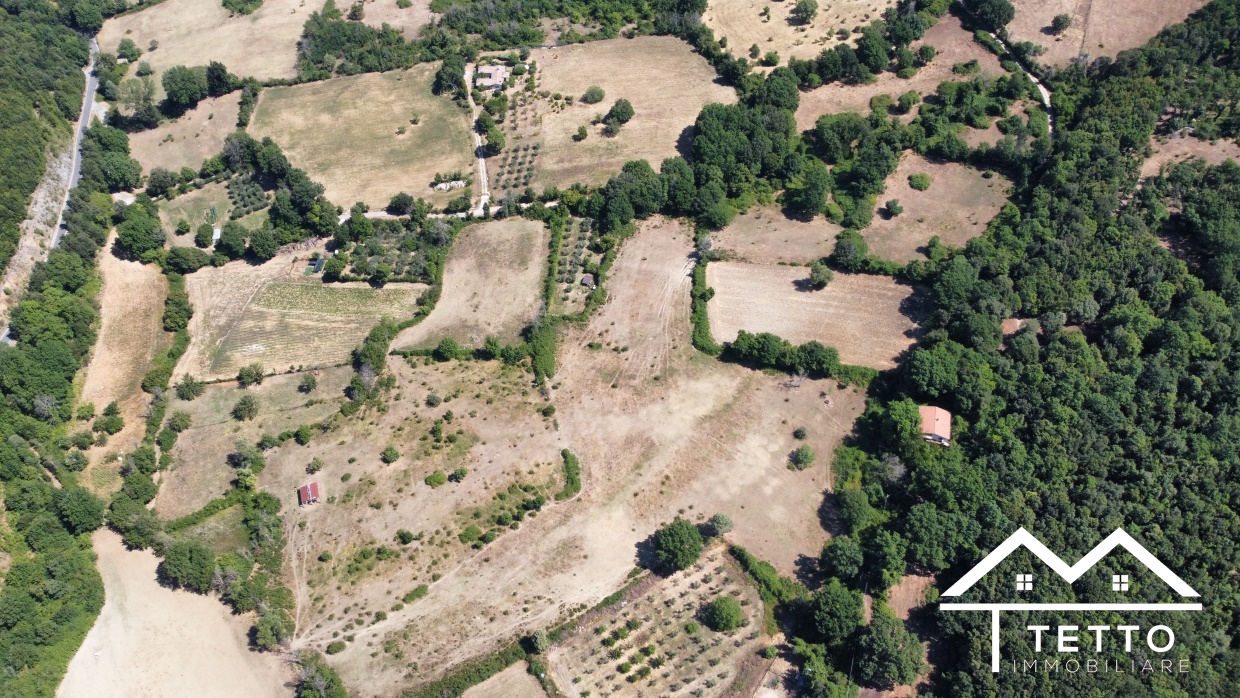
(308, 494)
(936, 425)
(587, 280)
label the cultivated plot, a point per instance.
(356, 135)
(765, 235)
(870, 320)
(192, 32)
(744, 24)
(1098, 28)
(492, 285)
(956, 207)
(190, 139)
(954, 45)
(665, 81)
(208, 205)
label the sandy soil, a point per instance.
(36, 231)
(513, 682)
(196, 640)
(956, 208)
(766, 236)
(408, 20)
(1099, 27)
(741, 23)
(660, 75)
(192, 32)
(492, 285)
(306, 120)
(659, 429)
(868, 319)
(1167, 151)
(954, 44)
(196, 136)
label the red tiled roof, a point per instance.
(936, 421)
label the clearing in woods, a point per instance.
(954, 45)
(513, 682)
(187, 141)
(355, 134)
(492, 285)
(1099, 27)
(667, 83)
(1178, 149)
(192, 32)
(207, 205)
(407, 19)
(764, 235)
(871, 320)
(658, 428)
(271, 314)
(956, 207)
(741, 21)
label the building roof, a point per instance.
(492, 69)
(587, 279)
(935, 421)
(308, 493)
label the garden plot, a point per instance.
(356, 135)
(766, 236)
(189, 140)
(208, 205)
(871, 320)
(743, 24)
(574, 256)
(1099, 27)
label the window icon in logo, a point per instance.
(1119, 582)
(1024, 582)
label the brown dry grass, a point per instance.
(193, 32)
(956, 208)
(740, 23)
(869, 319)
(765, 235)
(408, 20)
(513, 682)
(196, 136)
(1168, 151)
(1099, 27)
(667, 83)
(659, 429)
(194, 207)
(954, 44)
(492, 285)
(344, 133)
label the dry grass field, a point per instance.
(870, 320)
(1099, 27)
(408, 20)
(765, 235)
(956, 208)
(347, 134)
(194, 32)
(1168, 151)
(659, 429)
(492, 285)
(666, 82)
(954, 45)
(194, 207)
(186, 142)
(657, 649)
(513, 682)
(272, 315)
(741, 22)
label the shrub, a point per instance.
(678, 544)
(389, 455)
(893, 207)
(436, 478)
(416, 594)
(308, 384)
(180, 421)
(250, 375)
(246, 408)
(470, 534)
(190, 388)
(593, 95)
(802, 458)
(919, 181)
(620, 112)
(404, 536)
(800, 433)
(1061, 23)
(820, 275)
(336, 647)
(721, 524)
(315, 466)
(325, 556)
(723, 614)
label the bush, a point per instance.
(593, 95)
(678, 544)
(325, 556)
(250, 375)
(308, 384)
(315, 466)
(802, 458)
(189, 388)
(800, 433)
(416, 594)
(470, 534)
(620, 112)
(1061, 23)
(389, 455)
(336, 647)
(436, 479)
(720, 524)
(723, 614)
(246, 408)
(572, 476)
(188, 564)
(404, 536)
(180, 421)
(919, 181)
(820, 275)
(893, 207)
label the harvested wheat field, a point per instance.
(667, 83)
(871, 320)
(1099, 27)
(956, 207)
(198, 640)
(742, 23)
(657, 428)
(271, 314)
(513, 682)
(764, 235)
(200, 471)
(492, 285)
(187, 141)
(954, 45)
(1177, 149)
(408, 20)
(192, 32)
(355, 134)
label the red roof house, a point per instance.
(308, 494)
(936, 425)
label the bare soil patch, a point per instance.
(1169, 151)
(189, 140)
(152, 641)
(408, 20)
(192, 32)
(956, 208)
(766, 236)
(741, 22)
(1099, 27)
(355, 134)
(869, 319)
(954, 45)
(513, 682)
(492, 285)
(665, 81)
(37, 230)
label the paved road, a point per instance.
(75, 173)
